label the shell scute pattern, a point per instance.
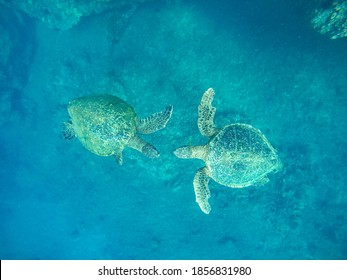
(105, 125)
(239, 155)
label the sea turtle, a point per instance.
(236, 156)
(105, 125)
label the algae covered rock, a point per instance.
(332, 21)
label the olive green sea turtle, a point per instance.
(236, 156)
(105, 125)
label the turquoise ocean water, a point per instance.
(268, 67)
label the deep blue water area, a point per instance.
(269, 68)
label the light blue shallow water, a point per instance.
(268, 67)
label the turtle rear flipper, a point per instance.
(142, 146)
(155, 121)
(202, 192)
(68, 131)
(206, 114)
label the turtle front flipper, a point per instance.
(206, 114)
(155, 121)
(142, 146)
(202, 192)
(68, 131)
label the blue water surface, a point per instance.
(268, 67)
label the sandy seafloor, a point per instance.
(269, 68)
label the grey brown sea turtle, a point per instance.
(236, 156)
(105, 125)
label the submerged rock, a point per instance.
(5, 50)
(16, 48)
(62, 15)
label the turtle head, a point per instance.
(150, 151)
(198, 152)
(183, 152)
(278, 165)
